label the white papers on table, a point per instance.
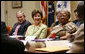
(57, 43)
(29, 38)
(14, 36)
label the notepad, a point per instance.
(53, 48)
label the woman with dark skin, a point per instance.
(65, 27)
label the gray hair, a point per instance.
(21, 12)
(67, 12)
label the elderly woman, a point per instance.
(65, 27)
(37, 29)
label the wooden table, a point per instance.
(53, 47)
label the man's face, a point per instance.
(20, 17)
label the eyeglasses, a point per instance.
(62, 16)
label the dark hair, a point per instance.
(36, 11)
(80, 9)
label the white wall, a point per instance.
(2, 11)
(27, 8)
(73, 7)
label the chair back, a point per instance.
(9, 29)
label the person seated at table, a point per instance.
(4, 26)
(78, 22)
(10, 45)
(78, 43)
(20, 27)
(54, 24)
(64, 26)
(37, 29)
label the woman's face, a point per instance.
(76, 15)
(62, 17)
(37, 18)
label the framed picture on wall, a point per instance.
(16, 4)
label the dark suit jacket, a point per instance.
(22, 29)
(3, 27)
(9, 45)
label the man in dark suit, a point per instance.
(3, 25)
(9, 45)
(21, 26)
